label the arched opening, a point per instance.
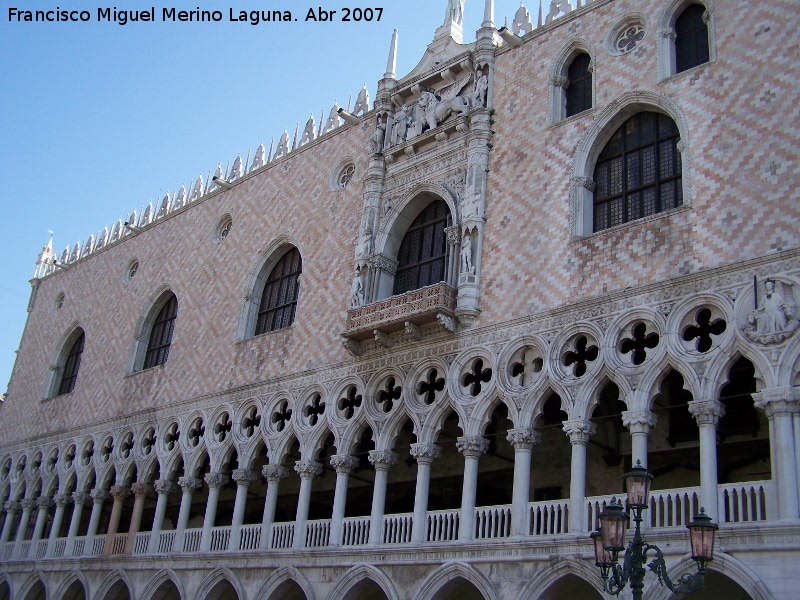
(718, 587)
(166, 591)
(550, 461)
(570, 587)
(609, 445)
(119, 591)
(361, 481)
(69, 363)
(579, 85)
(458, 589)
(496, 467)
(691, 38)
(36, 592)
(159, 332)
(366, 589)
(5, 591)
(289, 490)
(223, 590)
(288, 590)
(401, 480)
(75, 591)
(277, 290)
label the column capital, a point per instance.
(11, 506)
(141, 489)
(99, 496)
(343, 463)
(707, 412)
(43, 502)
(579, 430)
(244, 477)
(474, 446)
(308, 468)
(776, 401)
(189, 484)
(28, 503)
(425, 453)
(523, 438)
(639, 421)
(120, 492)
(81, 498)
(274, 473)
(164, 487)
(62, 499)
(216, 480)
(382, 459)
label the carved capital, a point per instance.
(141, 489)
(559, 81)
(681, 146)
(44, 502)
(382, 459)
(189, 484)
(667, 32)
(274, 473)
(639, 421)
(425, 453)
(384, 263)
(11, 506)
(453, 234)
(244, 477)
(99, 496)
(62, 499)
(80, 498)
(28, 504)
(583, 182)
(120, 492)
(216, 480)
(472, 446)
(777, 401)
(308, 468)
(523, 439)
(707, 412)
(344, 463)
(579, 430)
(164, 487)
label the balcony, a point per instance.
(419, 307)
(548, 521)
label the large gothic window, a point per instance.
(161, 334)
(579, 85)
(638, 173)
(279, 299)
(423, 252)
(72, 362)
(691, 38)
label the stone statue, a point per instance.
(466, 256)
(481, 88)
(400, 128)
(365, 243)
(772, 321)
(378, 136)
(357, 291)
(469, 207)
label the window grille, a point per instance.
(423, 252)
(279, 299)
(161, 334)
(73, 362)
(691, 38)
(579, 89)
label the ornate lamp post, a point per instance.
(609, 541)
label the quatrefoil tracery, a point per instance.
(388, 394)
(351, 401)
(314, 410)
(582, 354)
(126, 446)
(223, 427)
(475, 376)
(197, 433)
(703, 329)
(527, 366)
(149, 441)
(639, 342)
(281, 417)
(251, 422)
(172, 436)
(430, 385)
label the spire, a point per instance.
(488, 14)
(453, 26)
(391, 64)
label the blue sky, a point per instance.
(99, 119)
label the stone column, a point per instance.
(44, 505)
(163, 488)
(382, 460)
(28, 504)
(344, 465)
(61, 501)
(189, 485)
(80, 499)
(579, 432)
(472, 448)
(120, 494)
(215, 481)
(425, 455)
(140, 492)
(274, 474)
(780, 406)
(523, 441)
(707, 413)
(243, 479)
(639, 423)
(307, 469)
(99, 497)
(12, 508)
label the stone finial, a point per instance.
(362, 103)
(237, 169)
(333, 118)
(309, 131)
(283, 145)
(260, 158)
(391, 64)
(522, 21)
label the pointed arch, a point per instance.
(155, 590)
(451, 572)
(215, 582)
(284, 576)
(117, 586)
(562, 568)
(158, 301)
(560, 77)
(67, 589)
(358, 574)
(667, 35)
(66, 361)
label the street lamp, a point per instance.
(609, 541)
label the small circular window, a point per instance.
(342, 174)
(346, 175)
(626, 35)
(222, 229)
(131, 269)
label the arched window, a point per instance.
(72, 362)
(279, 299)
(161, 334)
(638, 173)
(691, 38)
(579, 85)
(423, 252)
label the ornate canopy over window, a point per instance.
(691, 38)
(423, 252)
(72, 363)
(279, 299)
(638, 173)
(579, 85)
(161, 334)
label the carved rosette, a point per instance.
(244, 477)
(189, 484)
(777, 401)
(62, 499)
(141, 489)
(639, 421)
(579, 430)
(274, 473)
(425, 453)
(523, 439)
(344, 463)
(164, 487)
(80, 498)
(707, 412)
(216, 480)
(308, 468)
(382, 459)
(472, 446)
